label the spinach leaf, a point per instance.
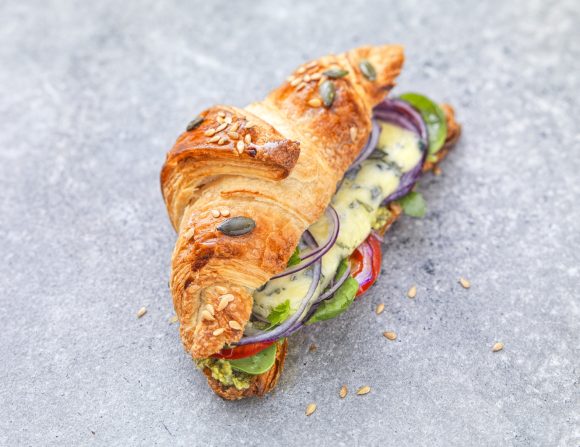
(333, 307)
(279, 313)
(295, 258)
(258, 363)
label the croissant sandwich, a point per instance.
(280, 206)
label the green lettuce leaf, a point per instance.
(279, 313)
(336, 305)
(413, 204)
(295, 258)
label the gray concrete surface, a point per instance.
(92, 94)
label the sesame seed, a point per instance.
(222, 141)
(380, 308)
(315, 102)
(363, 390)
(311, 408)
(205, 315)
(219, 331)
(300, 86)
(215, 213)
(221, 127)
(301, 70)
(210, 309)
(209, 132)
(343, 391)
(174, 319)
(214, 139)
(141, 312)
(390, 335)
(228, 119)
(353, 133)
(315, 76)
(248, 138)
(220, 119)
(234, 135)
(225, 211)
(224, 301)
(240, 146)
(234, 127)
(464, 283)
(497, 347)
(412, 292)
(307, 78)
(235, 325)
(295, 82)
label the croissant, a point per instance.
(242, 186)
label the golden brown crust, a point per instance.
(283, 196)
(260, 385)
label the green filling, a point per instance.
(295, 258)
(279, 313)
(222, 371)
(258, 363)
(434, 118)
(413, 204)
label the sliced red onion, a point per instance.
(313, 256)
(279, 331)
(402, 114)
(371, 144)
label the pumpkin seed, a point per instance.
(367, 70)
(194, 124)
(237, 226)
(335, 73)
(327, 91)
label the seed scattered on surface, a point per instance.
(234, 135)
(367, 70)
(412, 292)
(234, 127)
(209, 132)
(219, 331)
(300, 86)
(343, 391)
(214, 139)
(225, 211)
(222, 141)
(248, 138)
(327, 91)
(174, 319)
(363, 390)
(221, 127)
(315, 102)
(228, 119)
(235, 325)
(390, 335)
(335, 73)
(380, 308)
(295, 82)
(141, 312)
(353, 133)
(311, 408)
(215, 213)
(205, 315)
(194, 123)
(497, 347)
(237, 226)
(315, 76)
(464, 283)
(224, 301)
(313, 348)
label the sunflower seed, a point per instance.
(295, 82)
(412, 292)
(141, 312)
(215, 213)
(209, 132)
(367, 70)
(327, 91)
(464, 283)
(343, 391)
(335, 73)
(222, 113)
(301, 70)
(224, 301)
(210, 309)
(240, 146)
(311, 408)
(307, 78)
(248, 138)
(315, 76)
(237, 226)
(221, 127)
(234, 135)
(315, 102)
(219, 331)
(390, 335)
(222, 141)
(300, 86)
(234, 127)
(205, 315)
(194, 124)
(497, 347)
(380, 308)
(363, 390)
(235, 325)
(220, 119)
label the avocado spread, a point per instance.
(222, 371)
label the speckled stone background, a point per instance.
(92, 94)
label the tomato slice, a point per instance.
(240, 352)
(365, 263)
